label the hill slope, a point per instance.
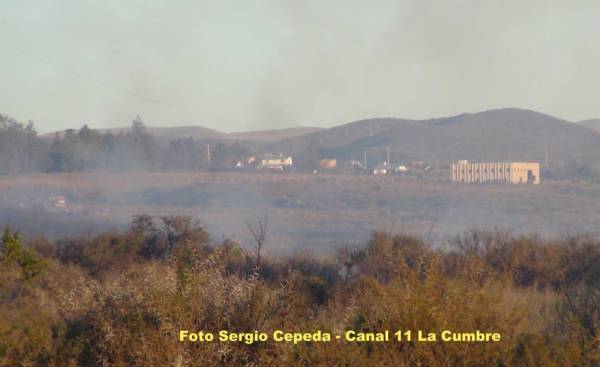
(493, 135)
(490, 135)
(593, 124)
(199, 132)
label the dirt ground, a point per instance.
(314, 212)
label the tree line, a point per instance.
(23, 151)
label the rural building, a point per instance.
(380, 169)
(246, 162)
(328, 163)
(276, 162)
(400, 169)
(509, 172)
(57, 204)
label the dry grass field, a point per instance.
(304, 211)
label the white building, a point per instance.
(380, 169)
(57, 204)
(274, 162)
(401, 169)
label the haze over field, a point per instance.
(317, 212)
(95, 172)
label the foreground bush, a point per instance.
(121, 299)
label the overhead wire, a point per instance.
(90, 78)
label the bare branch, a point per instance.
(258, 230)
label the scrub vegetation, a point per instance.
(120, 298)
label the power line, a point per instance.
(113, 87)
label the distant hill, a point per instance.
(199, 132)
(491, 136)
(593, 124)
(272, 135)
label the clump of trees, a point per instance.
(120, 298)
(89, 150)
(84, 150)
(20, 148)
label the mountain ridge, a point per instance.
(593, 124)
(494, 135)
(201, 132)
(486, 135)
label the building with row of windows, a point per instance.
(509, 172)
(276, 162)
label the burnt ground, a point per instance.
(314, 212)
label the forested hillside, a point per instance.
(84, 150)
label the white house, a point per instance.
(280, 162)
(380, 169)
(401, 169)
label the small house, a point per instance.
(380, 169)
(328, 163)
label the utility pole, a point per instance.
(208, 153)
(510, 171)
(365, 159)
(388, 156)
(546, 161)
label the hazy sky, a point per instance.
(236, 65)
